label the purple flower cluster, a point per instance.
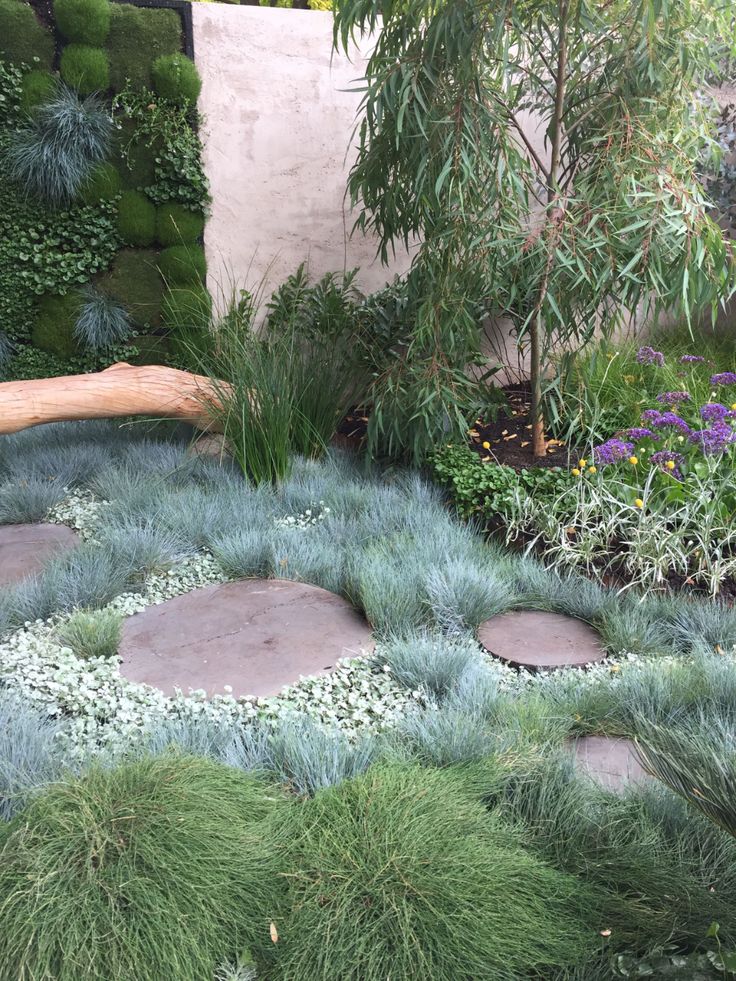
(692, 359)
(665, 420)
(662, 458)
(647, 355)
(641, 432)
(724, 378)
(673, 398)
(715, 439)
(715, 412)
(612, 451)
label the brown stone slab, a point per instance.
(25, 549)
(534, 639)
(610, 761)
(255, 635)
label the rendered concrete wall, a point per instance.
(278, 123)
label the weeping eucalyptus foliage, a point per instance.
(606, 217)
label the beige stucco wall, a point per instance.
(278, 123)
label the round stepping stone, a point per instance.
(255, 635)
(610, 761)
(25, 549)
(536, 640)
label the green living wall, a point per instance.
(102, 192)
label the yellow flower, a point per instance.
(633, 460)
(638, 503)
(733, 407)
(575, 472)
(592, 469)
(486, 445)
(670, 464)
(582, 463)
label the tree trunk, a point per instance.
(121, 390)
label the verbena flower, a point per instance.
(612, 451)
(673, 398)
(668, 462)
(717, 438)
(641, 432)
(665, 420)
(647, 355)
(715, 412)
(724, 378)
(691, 359)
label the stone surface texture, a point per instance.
(25, 549)
(254, 635)
(610, 761)
(535, 639)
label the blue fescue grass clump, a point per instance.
(430, 661)
(143, 548)
(29, 500)
(403, 875)
(159, 868)
(55, 152)
(102, 321)
(29, 754)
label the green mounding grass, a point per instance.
(134, 280)
(139, 35)
(134, 158)
(667, 873)
(187, 308)
(37, 87)
(136, 219)
(53, 329)
(103, 184)
(183, 264)
(177, 225)
(176, 79)
(400, 874)
(83, 21)
(23, 38)
(156, 869)
(29, 753)
(92, 634)
(85, 68)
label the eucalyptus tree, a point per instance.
(603, 217)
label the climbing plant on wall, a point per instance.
(102, 190)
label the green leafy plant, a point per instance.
(102, 323)
(92, 634)
(136, 219)
(23, 39)
(85, 68)
(55, 152)
(445, 156)
(176, 79)
(157, 868)
(83, 21)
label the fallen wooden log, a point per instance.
(121, 390)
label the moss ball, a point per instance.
(183, 264)
(187, 307)
(37, 87)
(23, 39)
(152, 349)
(84, 68)
(136, 219)
(135, 159)
(103, 184)
(84, 21)
(175, 78)
(177, 225)
(53, 330)
(134, 280)
(139, 35)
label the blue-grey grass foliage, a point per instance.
(244, 553)
(308, 555)
(461, 595)
(29, 754)
(430, 661)
(53, 154)
(143, 548)
(103, 322)
(192, 736)
(27, 501)
(7, 350)
(444, 736)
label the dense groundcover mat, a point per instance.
(416, 815)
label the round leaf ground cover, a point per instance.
(253, 637)
(25, 549)
(535, 639)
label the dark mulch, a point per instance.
(44, 11)
(508, 435)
